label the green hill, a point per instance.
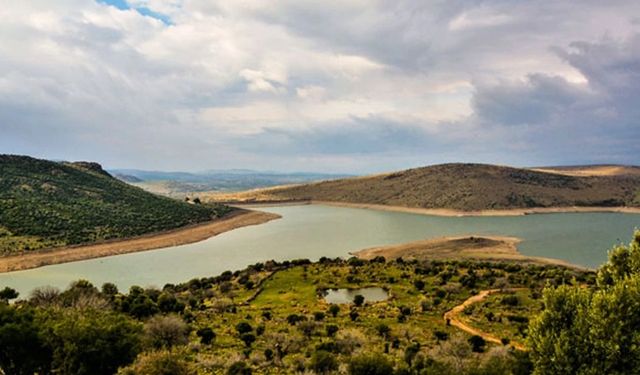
(46, 204)
(466, 187)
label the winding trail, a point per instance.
(451, 317)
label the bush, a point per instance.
(370, 364)
(334, 310)
(243, 327)
(323, 362)
(239, 368)
(248, 339)
(383, 330)
(166, 331)
(206, 335)
(159, 363)
(477, 343)
(295, 318)
(332, 329)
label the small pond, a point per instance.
(340, 296)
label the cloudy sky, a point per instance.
(344, 86)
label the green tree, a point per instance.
(7, 294)
(90, 342)
(21, 349)
(334, 310)
(592, 331)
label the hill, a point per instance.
(179, 184)
(49, 204)
(466, 187)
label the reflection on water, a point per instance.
(313, 231)
(340, 296)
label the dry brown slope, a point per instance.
(466, 187)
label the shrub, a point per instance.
(239, 368)
(334, 310)
(477, 343)
(243, 327)
(206, 335)
(323, 362)
(159, 363)
(370, 364)
(166, 331)
(248, 339)
(332, 329)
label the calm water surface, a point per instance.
(373, 294)
(313, 231)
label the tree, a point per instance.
(248, 339)
(370, 364)
(243, 327)
(89, 342)
(334, 310)
(166, 331)
(7, 294)
(592, 331)
(358, 300)
(323, 362)
(477, 343)
(21, 349)
(206, 335)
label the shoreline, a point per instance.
(153, 241)
(466, 247)
(459, 213)
(445, 212)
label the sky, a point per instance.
(349, 86)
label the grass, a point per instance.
(295, 291)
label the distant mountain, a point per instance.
(127, 178)
(45, 203)
(185, 183)
(467, 187)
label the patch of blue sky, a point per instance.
(123, 5)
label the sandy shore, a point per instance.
(488, 248)
(509, 212)
(195, 233)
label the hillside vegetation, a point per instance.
(46, 204)
(466, 187)
(272, 318)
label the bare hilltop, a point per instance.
(468, 187)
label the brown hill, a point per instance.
(467, 187)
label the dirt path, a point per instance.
(175, 237)
(452, 318)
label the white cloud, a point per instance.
(83, 80)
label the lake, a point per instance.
(313, 231)
(341, 296)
